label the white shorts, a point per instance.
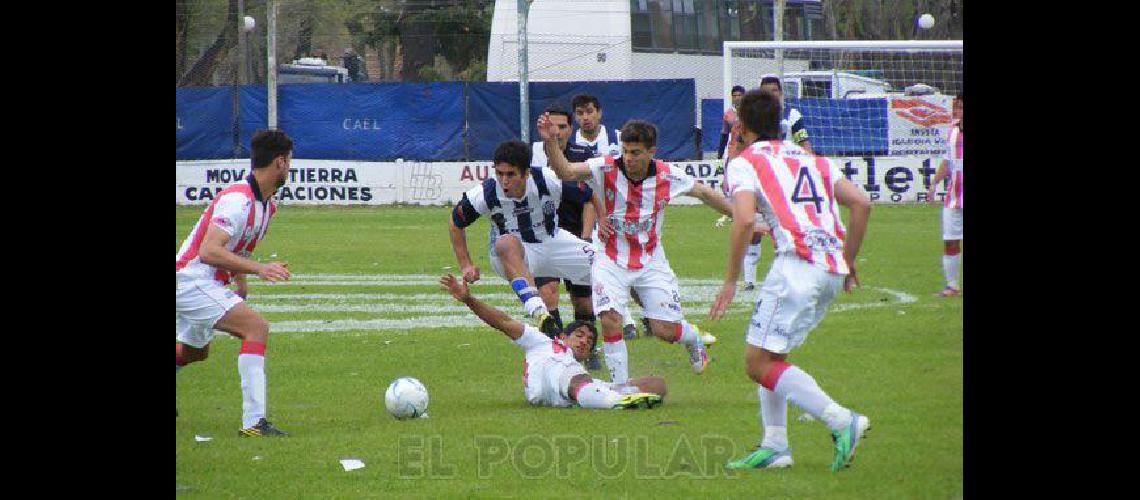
(792, 301)
(564, 256)
(199, 305)
(951, 223)
(548, 384)
(655, 284)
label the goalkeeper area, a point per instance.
(879, 99)
(366, 310)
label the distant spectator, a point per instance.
(352, 63)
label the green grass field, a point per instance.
(362, 310)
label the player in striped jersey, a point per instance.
(798, 196)
(217, 253)
(636, 188)
(591, 132)
(552, 370)
(952, 204)
(525, 238)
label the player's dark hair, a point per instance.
(515, 153)
(555, 109)
(772, 79)
(760, 113)
(267, 145)
(639, 131)
(584, 99)
(578, 323)
(737, 88)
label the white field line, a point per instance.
(697, 295)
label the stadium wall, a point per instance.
(341, 182)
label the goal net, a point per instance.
(864, 99)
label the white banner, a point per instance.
(918, 125)
(335, 182)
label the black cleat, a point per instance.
(593, 363)
(548, 325)
(262, 429)
(648, 327)
(748, 286)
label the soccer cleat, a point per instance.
(629, 332)
(748, 286)
(707, 338)
(262, 429)
(763, 458)
(847, 439)
(724, 219)
(638, 400)
(648, 327)
(547, 325)
(698, 357)
(949, 292)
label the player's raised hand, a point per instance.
(545, 127)
(723, 299)
(274, 272)
(456, 287)
(471, 273)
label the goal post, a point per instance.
(865, 98)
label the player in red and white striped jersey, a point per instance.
(952, 204)
(216, 253)
(798, 195)
(635, 189)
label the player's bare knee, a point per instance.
(191, 354)
(611, 321)
(577, 382)
(506, 245)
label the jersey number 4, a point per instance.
(805, 192)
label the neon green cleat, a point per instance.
(763, 458)
(638, 400)
(847, 439)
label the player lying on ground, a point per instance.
(636, 188)
(525, 239)
(798, 196)
(216, 253)
(553, 371)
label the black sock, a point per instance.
(557, 318)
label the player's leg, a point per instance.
(629, 327)
(661, 296)
(792, 301)
(511, 257)
(592, 393)
(655, 385)
(548, 290)
(951, 250)
(185, 354)
(243, 322)
(752, 261)
(198, 306)
(582, 300)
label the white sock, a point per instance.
(751, 261)
(617, 359)
(801, 389)
(535, 306)
(253, 392)
(773, 418)
(597, 394)
(950, 269)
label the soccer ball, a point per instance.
(406, 397)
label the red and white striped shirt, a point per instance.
(241, 213)
(795, 196)
(953, 197)
(636, 209)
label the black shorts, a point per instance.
(578, 291)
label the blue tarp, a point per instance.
(836, 127)
(712, 112)
(419, 121)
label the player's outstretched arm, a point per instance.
(213, 252)
(848, 195)
(712, 198)
(942, 173)
(490, 315)
(743, 220)
(557, 161)
(459, 244)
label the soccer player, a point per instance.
(552, 372)
(217, 253)
(591, 133)
(730, 131)
(636, 188)
(577, 214)
(798, 195)
(525, 238)
(951, 167)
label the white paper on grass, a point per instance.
(350, 464)
(202, 439)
